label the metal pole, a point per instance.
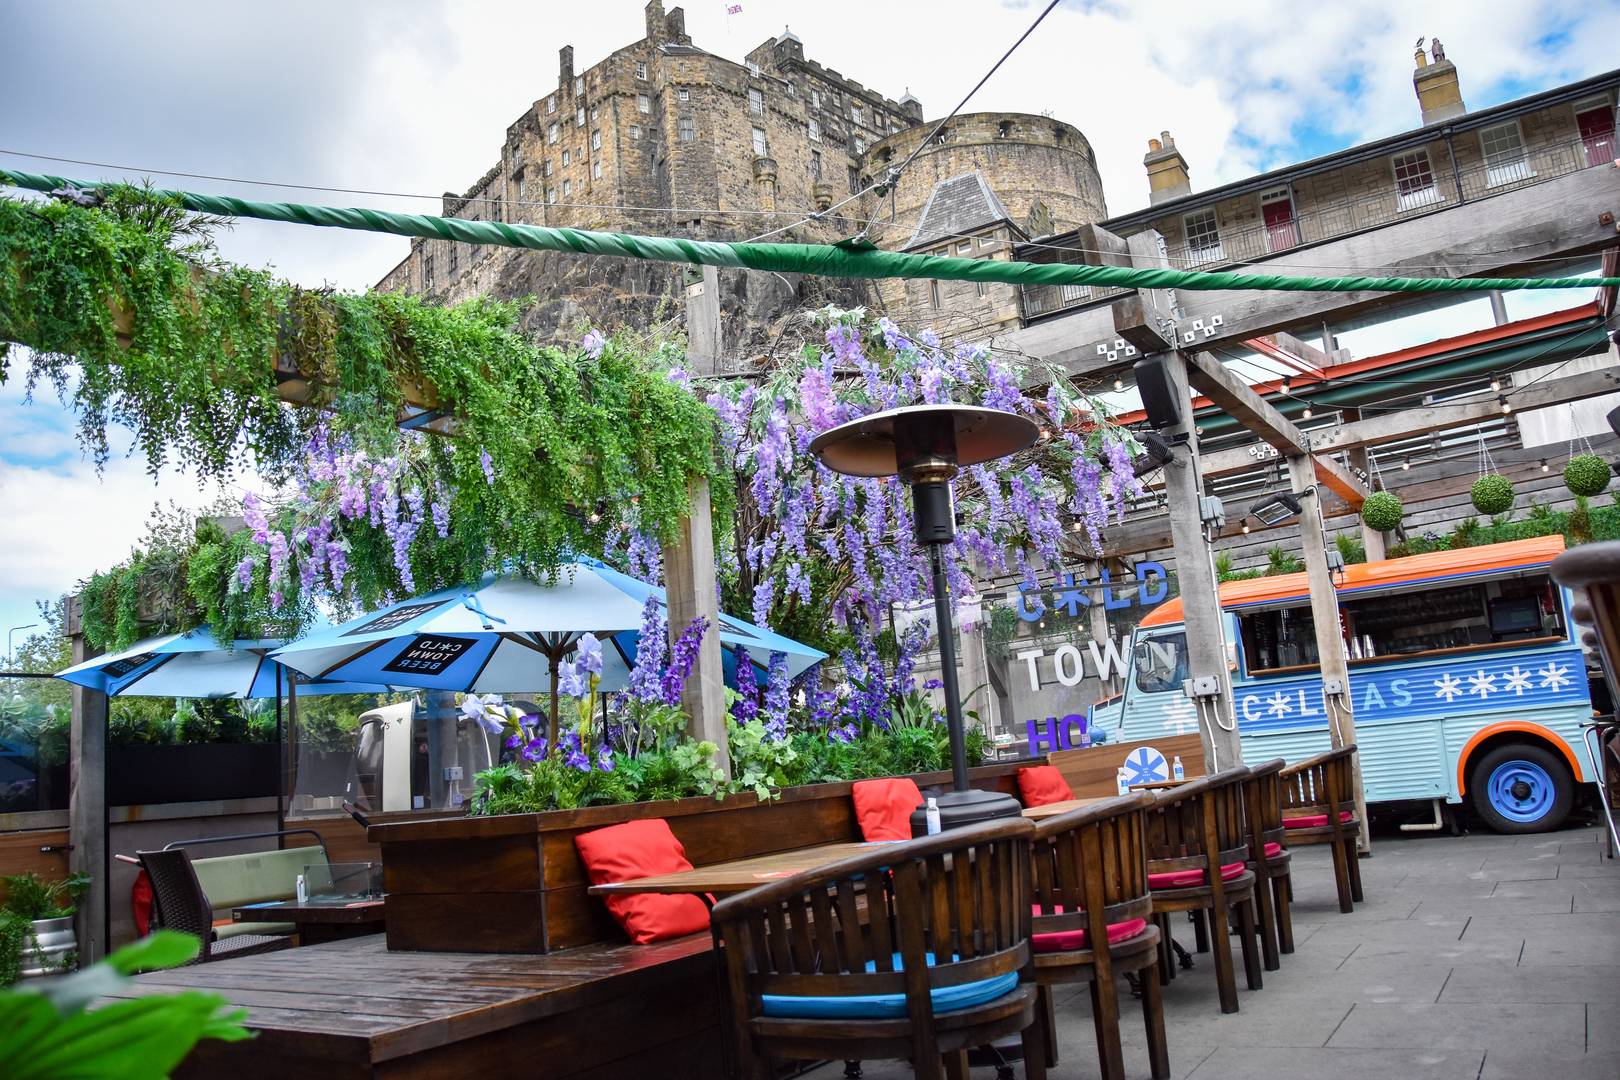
(947, 669)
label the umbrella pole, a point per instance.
(555, 657)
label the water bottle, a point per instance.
(1176, 770)
(931, 817)
(1122, 782)
(301, 888)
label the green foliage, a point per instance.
(1586, 474)
(1382, 511)
(1279, 561)
(1224, 571)
(1492, 494)
(28, 898)
(49, 1032)
(1580, 522)
(759, 763)
(1351, 548)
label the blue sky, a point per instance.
(419, 102)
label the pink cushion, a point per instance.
(1070, 940)
(1273, 849)
(1043, 784)
(1186, 879)
(883, 807)
(1313, 821)
(639, 849)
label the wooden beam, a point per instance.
(87, 797)
(1235, 397)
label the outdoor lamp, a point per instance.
(1156, 454)
(1274, 509)
(925, 446)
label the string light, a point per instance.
(1406, 465)
(1544, 466)
(1496, 384)
(1307, 414)
(1119, 384)
(1245, 528)
(1285, 384)
(1507, 406)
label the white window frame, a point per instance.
(756, 101)
(860, 145)
(643, 104)
(856, 115)
(551, 135)
(686, 129)
(579, 117)
(579, 85)
(1503, 170)
(815, 130)
(761, 146)
(815, 99)
(596, 139)
(596, 169)
(815, 164)
(545, 169)
(1419, 197)
(964, 247)
(753, 68)
(641, 70)
(683, 94)
(635, 132)
(1203, 251)
(551, 104)
(568, 187)
(567, 158)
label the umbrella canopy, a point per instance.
(501, 637)
(195, 665)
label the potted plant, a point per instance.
(36, 925)
(1586, 474)
(1492, 494)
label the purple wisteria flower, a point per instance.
(244, 572)
(681, 378)
(593, 343)
(254, 518)
(486, 463)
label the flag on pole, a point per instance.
(733, 9)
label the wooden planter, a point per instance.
(515, 884)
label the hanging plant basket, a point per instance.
(1586, 474)
(1382, 511)
(1493, 494)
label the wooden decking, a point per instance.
(354, 1009)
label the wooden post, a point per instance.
(87, 799)
(1361, 457)
(1330, 649)
(690, 585)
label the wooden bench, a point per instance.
(1090, 772)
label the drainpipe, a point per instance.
(1456, 175)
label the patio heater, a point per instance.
(925, 446)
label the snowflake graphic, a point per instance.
(1280, 705)
(1554, 676)
(1180, 717)
(1145, 765)
(1517, 680)
(1448, 686)
(1482, 684)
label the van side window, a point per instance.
(1278, 639)
(1161, 663)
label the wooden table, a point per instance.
(738, 875)
(1163, 785)
(1053, 809)
(320, 919)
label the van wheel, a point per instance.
(1521, 788)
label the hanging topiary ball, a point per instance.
(1493, 494)
(1382, 511)
(1586, 474)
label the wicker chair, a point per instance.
(178, 903)
(1319, 807)
(1269, 859)
(1197, 851)
(915, 950)
(1091, 887)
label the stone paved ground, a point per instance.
(1473, 958)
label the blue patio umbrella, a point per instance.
(194, 664)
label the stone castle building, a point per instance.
(664, 138)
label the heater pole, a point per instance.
(947, 669)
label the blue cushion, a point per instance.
(888, 1006)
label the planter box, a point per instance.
(142, 775)
(515, 884)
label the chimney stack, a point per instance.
(1438, 93)
(1166, 170)
(565, 66)
(656, 27)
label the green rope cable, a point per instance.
(823, 259)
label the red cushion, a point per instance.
(1313, 821)
(1042, 784)
(1273, 849)
(884, 807)
(1185, 879)
(639, 849)
(1069, 940)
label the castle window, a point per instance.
(551, 103)
(753, 68)
(596, 169)
(1203, 237)
(855, 115)
(756, 101)
(815, 164)
(815, 99)
(683, 94)
(568, 187)
(933, 293)
(1414, 180)
(1004, 129)
(944, 134)
(792, 88)
(641, 70)
(685, 129)
(595, 112)
(860, 145)
(551, 134)
(759, 142)
(1505, 159)
(579, 117)
(579, 85)
(635, 132)
(815, 130)
(596, 140)
(855, 184)
(545, 170)
(455, 258)
(495, 210)
(427, 270)
(565, 159)
(980, 289)
(520, 188)
(551, 195)
(964, 247)
(643, 103)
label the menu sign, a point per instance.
(430, 654)
(392, 620)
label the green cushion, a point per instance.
(267, 928)
(231, 881)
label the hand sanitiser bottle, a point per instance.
(1176, 770)
(931, 816)
(1122, 782)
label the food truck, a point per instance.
(1467, 679)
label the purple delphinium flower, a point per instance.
(590, 654)
(933, 684)
(746, 707)
(593, 343)
(574, 755)
(604, 760)
(652, 651)
(776, 696)
(846, 734)
(570, 680)
(682, 659)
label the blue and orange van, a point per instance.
(1467, 679)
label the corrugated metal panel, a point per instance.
(1403, 760)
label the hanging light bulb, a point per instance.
(1285, 384)
(595, 517)
(1506, 406)
(1496, 384)
(1245, 528)
(1544, 465)
(1307, 414)
(1119, 384)
(1406, 465)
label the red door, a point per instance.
(1597, 134)
(1279, 218)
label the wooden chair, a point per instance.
(178, 903)
(1319, 807)
(834, 963)
(1197, 849)
(1269, 859)
(1092, 922)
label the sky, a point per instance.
(415, 97)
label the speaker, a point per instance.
(1158, 390)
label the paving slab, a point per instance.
(1501, 1066)
(1552, 1031)
(1247, 1063)
(1509, 984)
